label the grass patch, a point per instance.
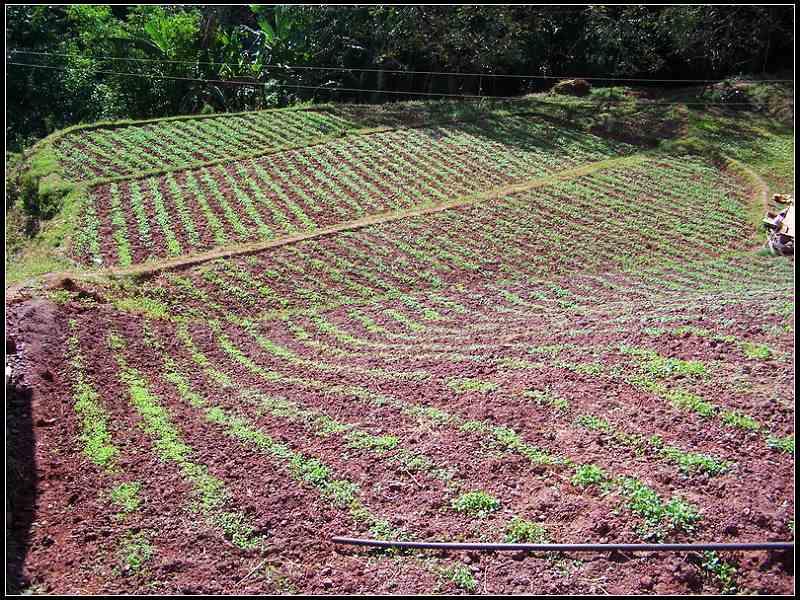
(238, 530)
(592, 368)
(431, 414)
(60, 296)
(511, 362)
(691, 462)
(551, 351)
(511, 440)
(144, 306)
(594, 423)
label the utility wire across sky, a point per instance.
(397, 71)
(361, 90)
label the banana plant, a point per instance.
(283, 30)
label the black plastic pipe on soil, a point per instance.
(744, 546)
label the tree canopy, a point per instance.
(107, 61)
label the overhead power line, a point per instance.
(398, 71)
(265, 84)
(363, 90)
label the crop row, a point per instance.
(644, 376)
(507, 238)
(578, 296)
(302, 190)
(127, 150)
(431, 410)
(435, 312)
(672, 454)
(412, 314)
(170, 437)
(486, 305)
(352, 401)
(470, 510)
(354, 439)
(523, 300)
(369, 377)
(504, 436)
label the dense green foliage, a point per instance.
(109, 62)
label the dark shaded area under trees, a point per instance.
(89, 77)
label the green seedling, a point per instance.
(661, 367)
(660, 518)
(758, 351)
(543, 398)
(521, 531)
(737, 419)
(472, 385)
(784, 444)
(477, 503)
(723, 572)
(586, 475)
(126, 496)
(594, 423)
(135, 550)
(462, 577)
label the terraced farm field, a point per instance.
(493, 329)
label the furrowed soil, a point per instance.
(509, 331)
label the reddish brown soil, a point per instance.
(70, 537)
(375, 325)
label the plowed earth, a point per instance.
(597, 357)
(75, 539)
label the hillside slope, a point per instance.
(435, 324)
(198, 183)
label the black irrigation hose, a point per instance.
(744, 546)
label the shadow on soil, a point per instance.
(20, 481)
